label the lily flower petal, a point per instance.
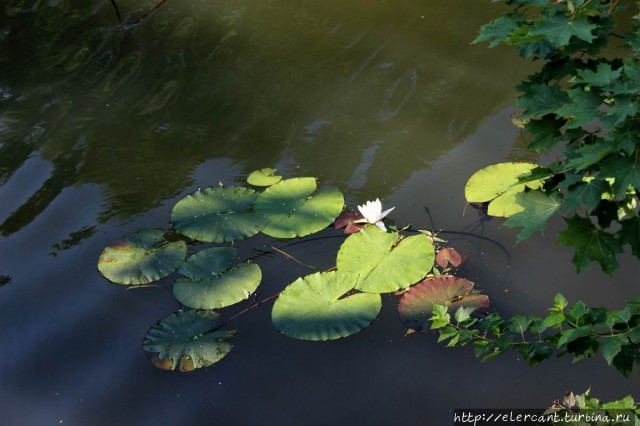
(371, 210)
(386, 212)
(380, 225)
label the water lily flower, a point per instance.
(372, 212)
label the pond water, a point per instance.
(103, 129)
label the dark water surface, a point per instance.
(102, 130)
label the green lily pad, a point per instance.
(184, 341)
(313, 307)
(209, 285)
(416, 303)
(218, 214)
(263, 177)
(498, 185)
(383, 262)
(143, 258)
(293, 211)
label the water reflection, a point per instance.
(305, 85)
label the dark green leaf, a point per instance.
(591, 244)
(574, 333)
(583, 108)
(587, 194)
(545, 132)
(559, 29)
(604, 75)
(498, 30)
(541, 99)
(625, 359)
(611, 347)
(625, 170)
(630, 234)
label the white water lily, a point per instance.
(372, 212)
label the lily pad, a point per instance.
(417, 302)
(314, 307)
(448, 256)
(498, 185)
(209, 285)
(263, 177)
(145, 257)
(293, 211)
(184, 341)
(218, 214)
(383, 262)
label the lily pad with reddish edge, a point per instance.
(448, 255)
(187, 340)
(417, 302)
(145, 257)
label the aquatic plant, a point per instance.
(325, 305)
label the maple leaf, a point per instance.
(583, 108)
(625, 170)
(559, 29)
(630, 234)
(604, 75)
(540, 99)
(538, 208)
(591, 245)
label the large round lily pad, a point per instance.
(417, 302)
(143, 258)
(209, 285)
(383, 262)
(184, 341)
(293, 211)
(263, 177)
(315, 307)
(498, 185)
(220, 214)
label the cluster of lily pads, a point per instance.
(322, 306)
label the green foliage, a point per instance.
(317, 307)
(385, 262)
(583, 409)
(185, 341)
(578, 330)
(583, 105)
(145, 257)
(293, 210)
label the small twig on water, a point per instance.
(155, 6)
(115, 6)
(292, 258)
(244, 311)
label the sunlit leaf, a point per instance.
(625, 170)
(382, 262)
(538, 208)
(143, 258)
(220, 214)
(263, 177)
(293, 210)
(184, 341)
(499, 184)
(209, 285)
(317, 307)
(416, 305)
